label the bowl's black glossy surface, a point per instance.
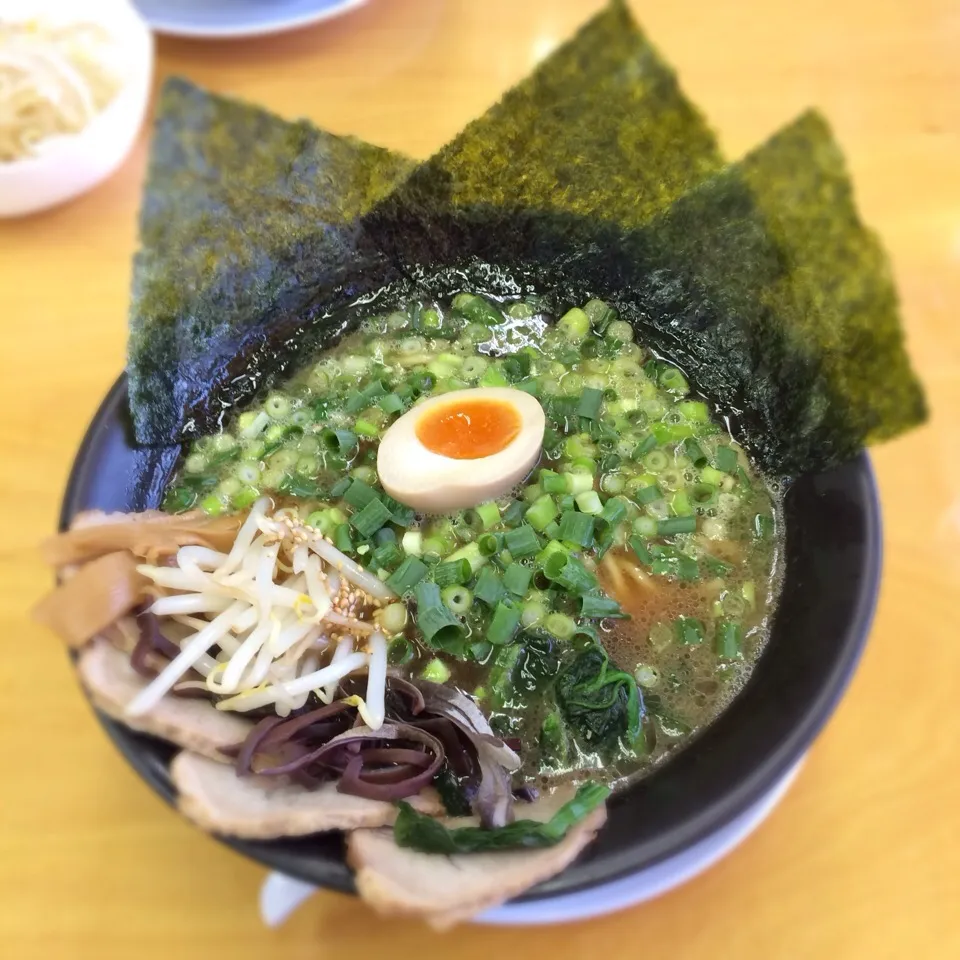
(832, 576)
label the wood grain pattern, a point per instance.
(862, 860)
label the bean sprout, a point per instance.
(256, 622)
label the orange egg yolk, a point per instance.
(469, 429)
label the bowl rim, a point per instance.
(149, 756)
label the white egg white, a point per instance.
(432, 483)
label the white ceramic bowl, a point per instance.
(68, 165)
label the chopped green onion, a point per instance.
(452, 572)
(763, 526)
(542, 512)
(504, 623)
(552, 482)
(391, 403)
(552, 530)
(711, 476)
(596, 607)
(680, 504)
(728, 640)
(516, 579)
(744, 479)
(569, 573)
(531, 385)
(725, 459)
(359, 494)
(522, 542)
(471, 551)
(365, 428)
(532, 492)
(601, 314)
(489, 587)
(560, 625)
(371, 518)
(400, 651)
(341, 538)
(645, 526)
(656, 461)
(463, 531)
(407, 576)
(212, 505)
(436, 671)
(277, 406)
(672, 432)
(575, 324)
(516, 366)
(339, 441)
(589, 502)
(576, 528)
(579, 482)
(412, 543)
(703, 494)
(695, 410)
(695, 452)
(672, 525)
(513, 514)
(488, 514)
(490, 543)
(644, 446)
(689, 630)
(421, 381)
(647, 676)
(647, 495)
(638, 546)
(440, 628)
(590, 402)
(673, 380)
(493, 377)
(532, 613)
(363, 398)
(614, 511)
(669, 562)
(386, 556)
(479, 650)
(610, 462)
(476, 309)
(520, 310)
(340, 487)
(457, 598)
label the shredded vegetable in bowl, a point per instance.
(282, 601)
(53, 80)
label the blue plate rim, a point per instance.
(241, 30)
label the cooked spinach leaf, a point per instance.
(421, 832)
(600, 702)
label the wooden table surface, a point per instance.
(862, 859)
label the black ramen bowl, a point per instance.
(833, 559)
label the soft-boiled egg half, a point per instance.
(461, 449)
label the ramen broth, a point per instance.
(673, 529)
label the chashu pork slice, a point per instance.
(446, 890)
(190, 723)
(262, 808)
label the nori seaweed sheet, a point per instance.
(761, 283)
(838, 304)
(600, 128)
(759, 280)
(246, 220)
